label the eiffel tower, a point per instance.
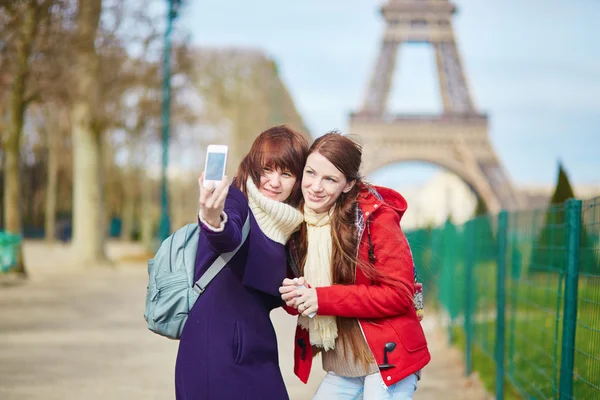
(457, 139)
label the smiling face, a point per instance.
(276, 184)
(322, 183)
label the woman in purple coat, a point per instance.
(228, 348)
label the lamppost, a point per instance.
(165, 224)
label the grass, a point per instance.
(533, 343)
(534, 304)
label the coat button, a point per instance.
(389, 378)
(376, 205)
(367, 213)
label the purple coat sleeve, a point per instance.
(236, 208)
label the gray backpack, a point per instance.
(171, 291)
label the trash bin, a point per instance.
(9, 246)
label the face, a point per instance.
(322, 183)
(276, 184)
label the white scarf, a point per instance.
(277, 220)
(318, 272)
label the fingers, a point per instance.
(291, 303)
(216, 195)
(222, 191)
(311, 309)
(224, 183)
(212, 199)
(288, 296)
(286, 289)
(205, 191)
(300, 281)
(288, 282)
(307, 307)
(301, 298)
(307, 301)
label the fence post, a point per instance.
(469, 294)
(573, 225)
(501, 239)
(515, 269)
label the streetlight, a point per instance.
(165, 224)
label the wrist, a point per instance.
(215, 223)
(212, 224)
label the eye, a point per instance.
(329, 179)
(287, 174)
(267, 169)
(309, 172)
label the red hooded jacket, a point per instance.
(385, 313)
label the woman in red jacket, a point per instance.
(358, 273)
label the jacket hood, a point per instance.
(390, 197)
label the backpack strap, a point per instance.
(221, 261)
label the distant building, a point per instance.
(446, 195)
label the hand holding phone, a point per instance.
(212, 201)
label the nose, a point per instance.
(316, 186)
(275, 180)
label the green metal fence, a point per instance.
(520, 294)
(9, 248)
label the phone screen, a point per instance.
(214, 166)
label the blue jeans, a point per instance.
(370, 387)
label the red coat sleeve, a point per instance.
(393, 259)
(290, 310)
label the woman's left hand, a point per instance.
(306, 301)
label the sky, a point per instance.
(533, 66)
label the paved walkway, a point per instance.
(77, 333)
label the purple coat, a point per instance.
(228, 347)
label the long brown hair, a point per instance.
(345, 155)
(278, 147)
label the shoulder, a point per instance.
(378, 198)
(386, 219)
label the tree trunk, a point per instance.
(12, 181)
(52, 184)
(12, 146)
(88, 232)
(129, 193)
(103, 150)
(146, 216)
(128, 217)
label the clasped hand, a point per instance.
(302, 299)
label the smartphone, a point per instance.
(216, 161)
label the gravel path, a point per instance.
(73, 332)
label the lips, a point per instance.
(314, 198)
(271, 193)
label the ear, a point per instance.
(349, 186)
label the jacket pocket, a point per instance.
(172, 297)
(410, 332)
(237, 343)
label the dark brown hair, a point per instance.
(279, 147)
(346, 156)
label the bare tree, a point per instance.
(24, 21)
(55, 127)
(88, 239)
(242, 95)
